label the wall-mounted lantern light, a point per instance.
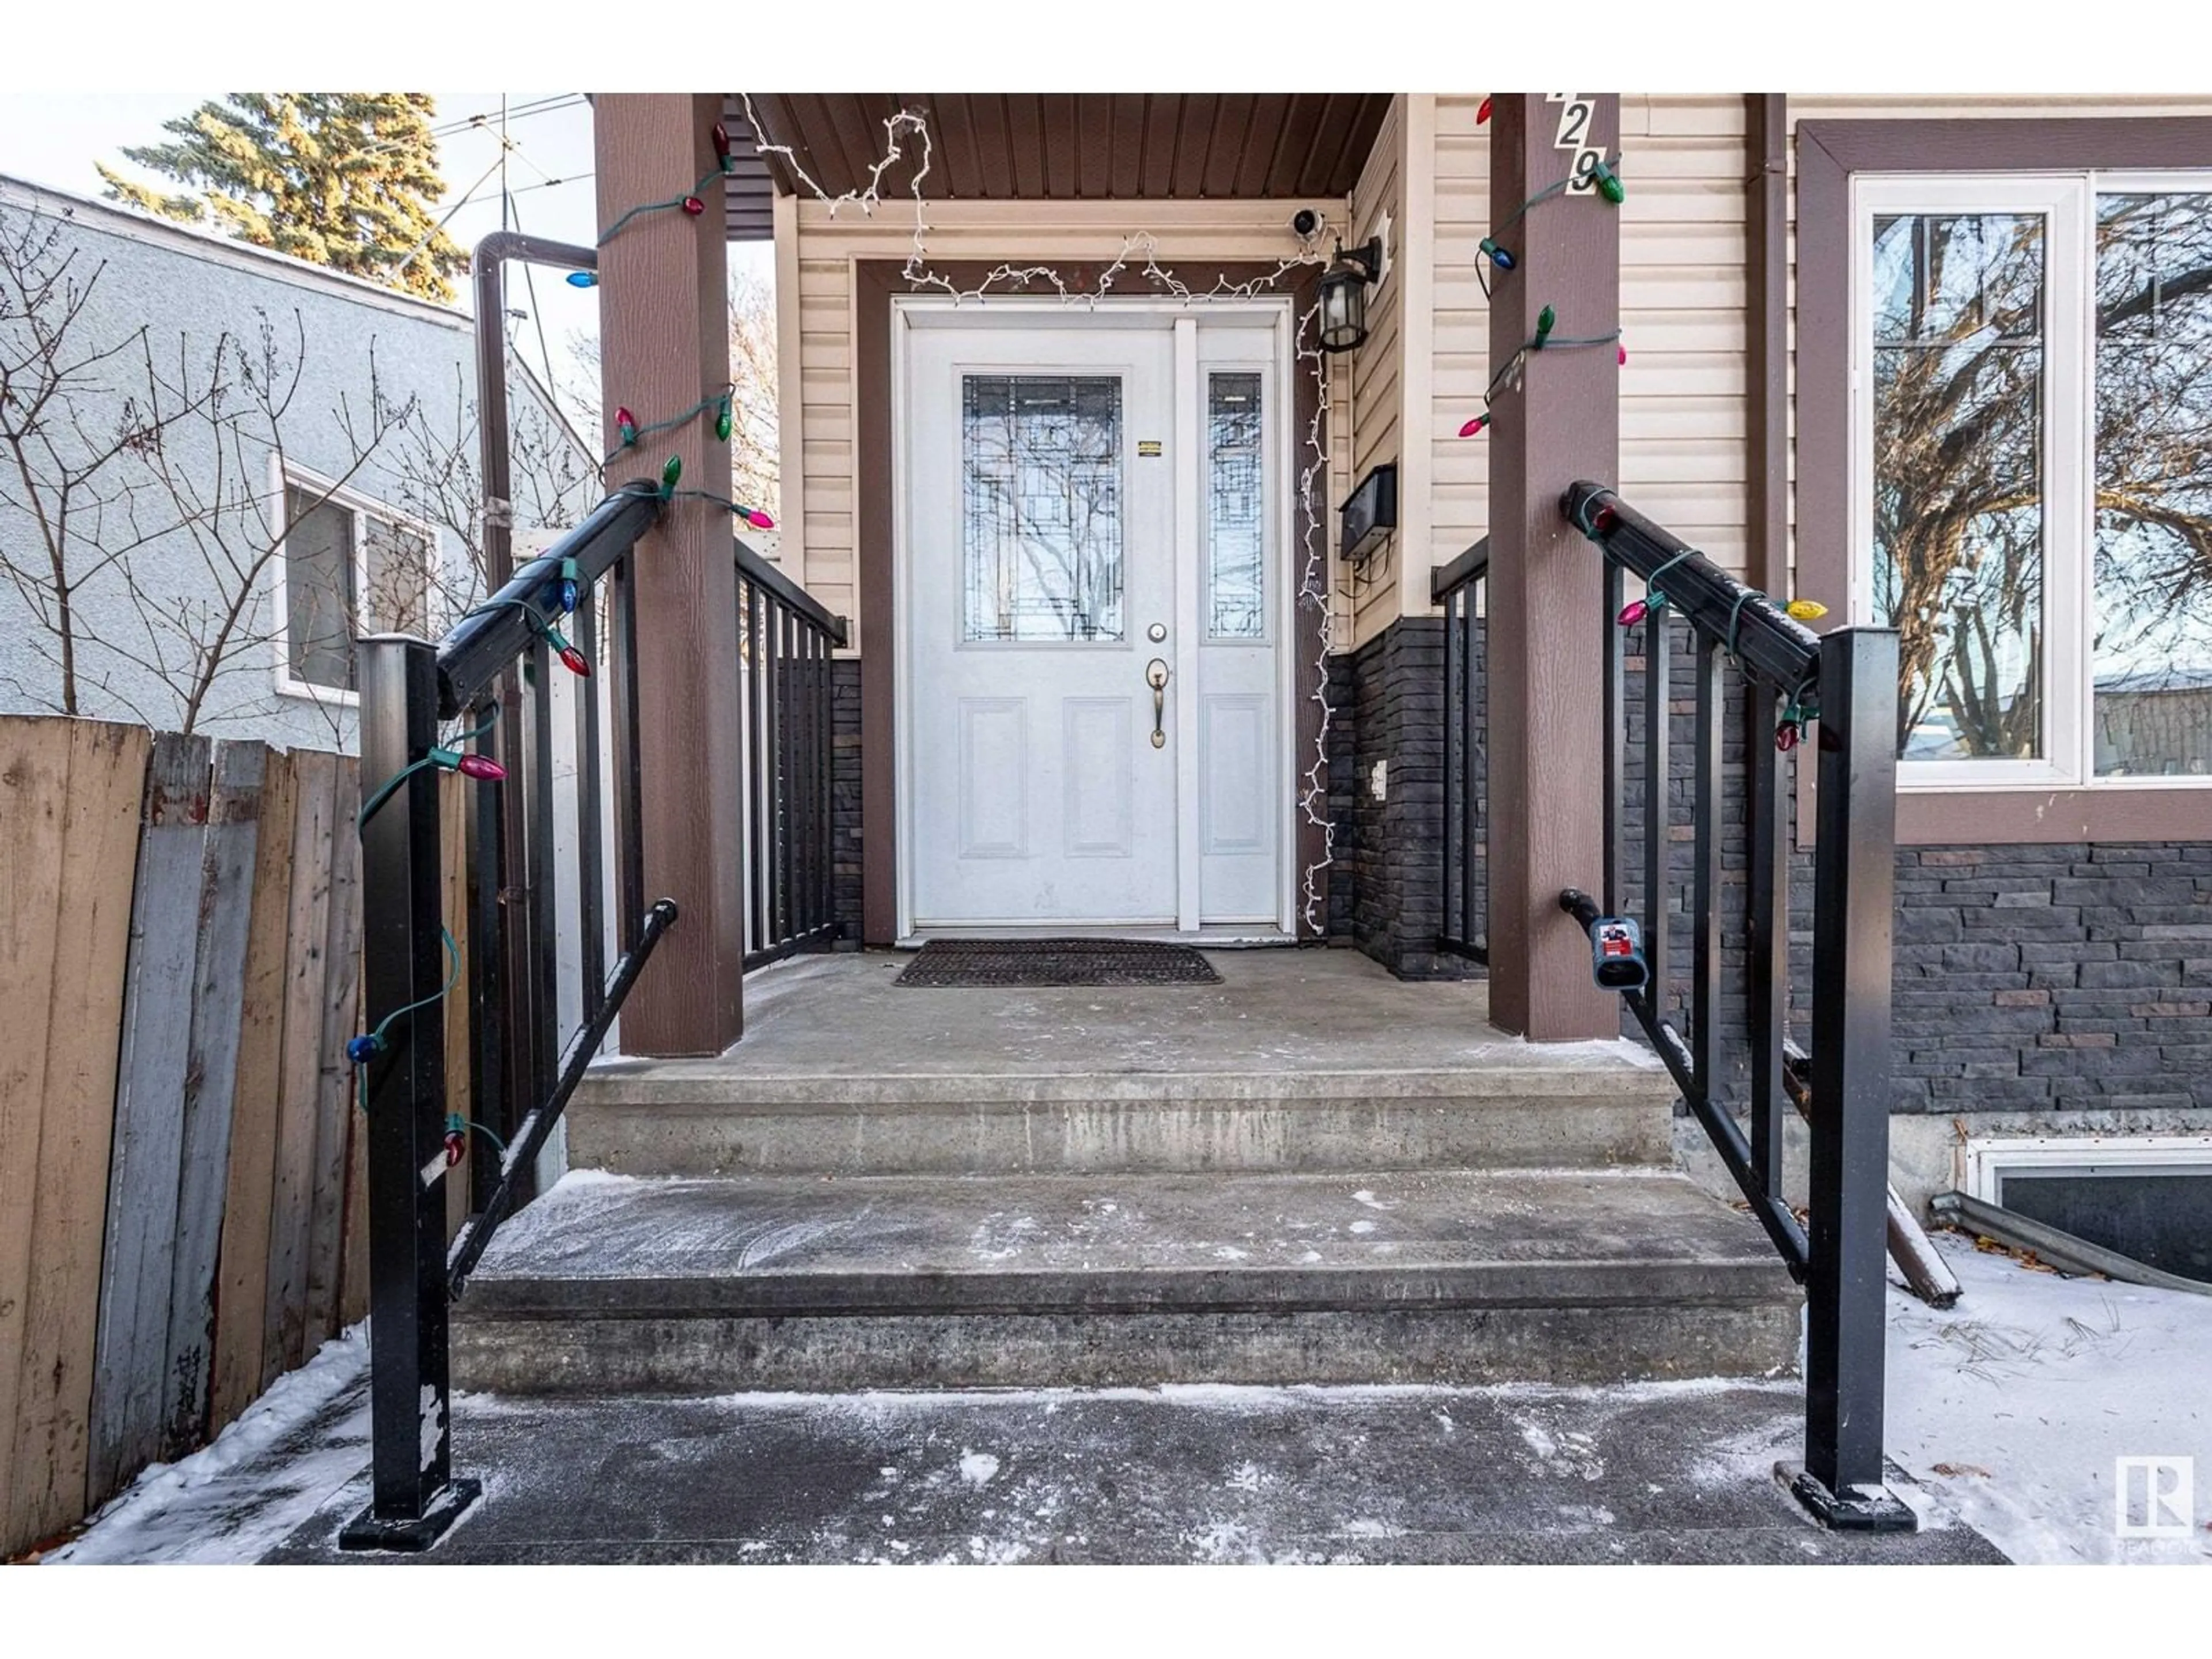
(1344, 295)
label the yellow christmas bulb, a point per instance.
(1806, 610)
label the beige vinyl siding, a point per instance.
(1865, 108)
(1078, 240)
(1459, 498)
(1682, 393)
(1376, 374)
(1681, 313)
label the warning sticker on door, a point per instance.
(1148, 448)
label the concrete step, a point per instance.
(610, 1284)
(1524, 1109)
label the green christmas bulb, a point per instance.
(1608, 183)
(722, 419)
(669, 474)
(1546, 319)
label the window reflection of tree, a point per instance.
(2153, 436)
(1959, 514)
(1042, 468)
(1957, 498)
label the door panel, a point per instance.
(1040, 552)
(1039, 588)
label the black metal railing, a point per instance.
(521, 908)
(785, 642)
(1842, 687)
(1459, 588)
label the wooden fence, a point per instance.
(182, 1211)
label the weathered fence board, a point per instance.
(71, 830)
(307, 941)
(147, 1156)
(182, 1188)
(334, 1080)
(240, 1324)
(226, 903)
(35, 771)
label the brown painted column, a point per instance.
(1545, 587)
(663, 345)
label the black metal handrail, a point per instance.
(1458, 588)
(521, 1077)
(784, 639)
(1845, 682)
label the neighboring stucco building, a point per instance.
(260, 533)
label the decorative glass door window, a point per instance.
(2031, 391)
(1235, 524)
(1040, 458)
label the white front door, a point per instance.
(1091, 686)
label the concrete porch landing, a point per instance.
(1299, 1060)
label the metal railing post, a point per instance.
(1854, 892)
(407, 967)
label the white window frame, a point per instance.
(1985, 1160)
(2067, 201)
(285, 475)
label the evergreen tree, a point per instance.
(346, 179)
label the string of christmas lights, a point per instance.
(1139, 252)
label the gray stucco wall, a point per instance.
(335, 336)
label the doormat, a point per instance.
(956, 963)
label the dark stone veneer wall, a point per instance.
(2061, 976)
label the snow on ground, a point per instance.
(2014, 1403)
(2009, 1408)
(194, 1510)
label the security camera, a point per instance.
(1305, 222)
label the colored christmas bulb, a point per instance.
(1474, 426)
(483, 768)
(756, 519)
(565, 592)
(625, 427)
(576, 662)
(669, 474)
(722, 418)
(583, 279)
(1805, 609)
(1608, 183)
(1500, 257)
(1546, 320)
(1785, 737)
(1602, 521)
(364, 1049)
(722, 145)
(1482, 112)
(694, 206)
(1632, 613)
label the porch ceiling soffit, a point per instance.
(1080, 146)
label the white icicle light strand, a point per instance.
(1313, 585)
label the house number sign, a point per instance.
(1577, 111)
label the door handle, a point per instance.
(1156, 676)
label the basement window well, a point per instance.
(2146, 1196)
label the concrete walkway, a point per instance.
(841, 1015)
(1657, 1473)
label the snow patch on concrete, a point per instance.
(977, 1468)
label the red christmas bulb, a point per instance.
(1632, 613)
(576, 662)
(722, 145)
(759, 519)
(1603, 520)
(625, 426)
(694, 206)
(480, 766)
(1474, 426)
(1482, 112)
(1785, 737)
(1623, 350)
